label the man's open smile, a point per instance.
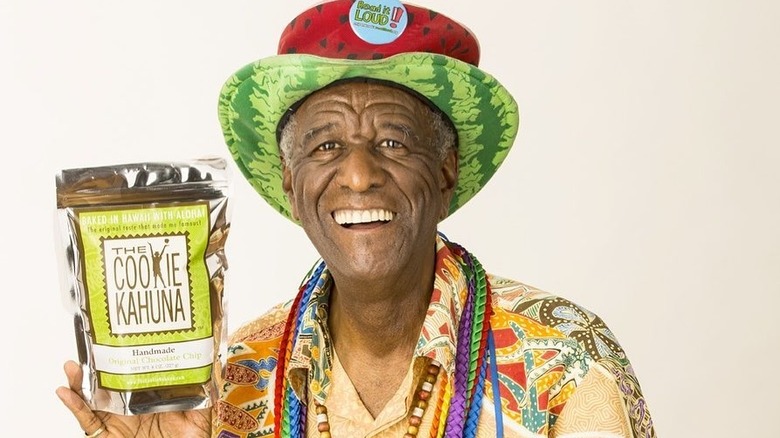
(348, 218)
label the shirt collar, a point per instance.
(312, 354)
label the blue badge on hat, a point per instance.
(378, 21)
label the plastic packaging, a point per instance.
(141, 251)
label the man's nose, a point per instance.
(361, 169)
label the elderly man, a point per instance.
(368, 130)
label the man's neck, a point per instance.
(374, 335)
(378, 321)
(375, 325)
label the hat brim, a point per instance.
(255, 98)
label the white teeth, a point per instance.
(345, 217)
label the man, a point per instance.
(368, 139)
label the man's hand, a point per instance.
(189, 424)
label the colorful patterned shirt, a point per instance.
(560, 371)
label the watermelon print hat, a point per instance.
(385, 40)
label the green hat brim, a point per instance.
(255, 98)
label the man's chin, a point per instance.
(371, 265)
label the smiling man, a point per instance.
(362, 151)
(365, 178)
(367, 137)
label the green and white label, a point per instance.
(148, 294)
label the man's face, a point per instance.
(365, 179)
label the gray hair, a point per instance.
(444, 136)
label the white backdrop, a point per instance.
(643, 185)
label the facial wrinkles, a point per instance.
(311, 134)
(415, 136)
(331, 119)
(357, 119)
(365, 111)
(326, 118)
(360, 115)
(407, 117)
(407, 121)
(366, 122)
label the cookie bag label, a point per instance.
(149, 300)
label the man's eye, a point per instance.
(392, 144)
(327, 146)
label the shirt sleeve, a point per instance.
(608, 403)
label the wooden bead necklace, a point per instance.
(422, 395)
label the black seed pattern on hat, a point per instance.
(426, 30)
(443, 42)
(410, 19)
(457, 44)
(307, 23)
(291, 50)
(318, 8)
(432, 14)
(324, 43)
(377, 56)
(468, 34)
(292, 23)
(352, 56)
(341, 46)
(449, 26)
(343, 19)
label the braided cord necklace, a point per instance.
(457, 409)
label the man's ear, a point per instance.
(449, 179)
(288, 190)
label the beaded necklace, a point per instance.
(421, 397)
(457, 410)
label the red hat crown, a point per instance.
(325, 30)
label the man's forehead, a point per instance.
(362, 93)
